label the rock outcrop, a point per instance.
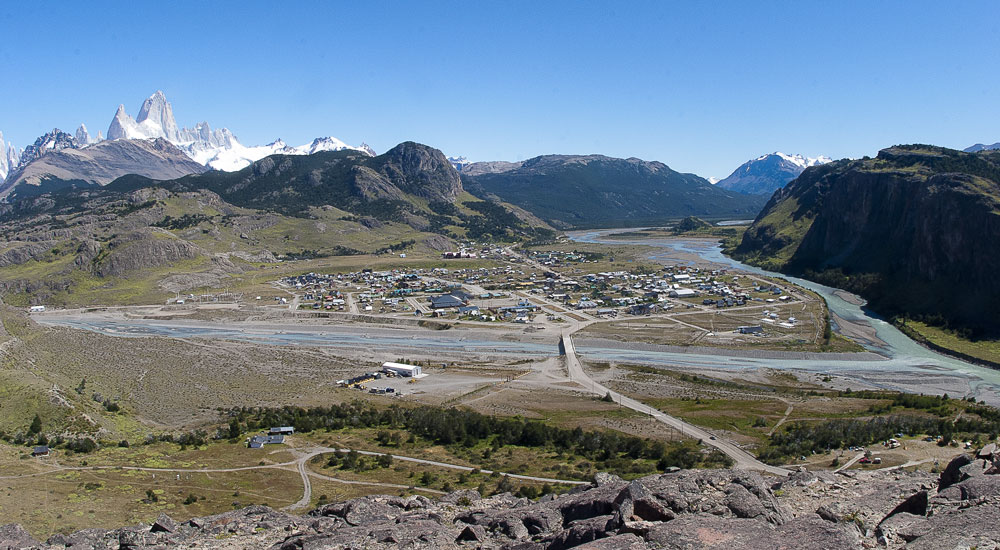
(910, 230)
(710, 509)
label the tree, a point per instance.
(234, 428)
(36, 425)
(505, 485)
(351, 460)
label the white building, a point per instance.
(401, 369)
(682, 293)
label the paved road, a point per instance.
(742, 458)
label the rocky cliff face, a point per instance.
(710, 509)
(419, 170)
(912, 230)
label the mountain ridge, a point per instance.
(216, 148)
(75, 245)
(56, 159)
(905, 230)
(981, 147)
(768, 173)
(599, 191)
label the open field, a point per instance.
(72, 492)
(745, 410)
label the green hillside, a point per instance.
(138, 240)
(912, 230)
(597, 191)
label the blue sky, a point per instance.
(701, 86)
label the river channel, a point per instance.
(901, 364)
(908, 365)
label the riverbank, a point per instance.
(942, 341)
(939, 370)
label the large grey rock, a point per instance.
(952, 472)
(955, 528)
(626, 541)
(979, 487)
(87, 539)
(584, 531)
(358, 511)
(636, 501)
(164, 523)
(720, 492)
(698, 532)
(13, 536)
(472, 533)
(598, 501)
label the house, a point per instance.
(283, 430)
(468, 310)
(258, 441)
(446, 301)
(755, 329)
(41, 450)
(643, 309)
(401, 369)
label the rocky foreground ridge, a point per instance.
(691, 509)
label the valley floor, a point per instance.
(178, 367)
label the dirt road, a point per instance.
(742, 458)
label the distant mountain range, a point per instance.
(578, 191)
(212, 148)
(912, 230)
(766, 174)
(218, 148)
(66, 245)
(55, 161)
(980, 147)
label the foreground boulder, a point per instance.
(685, 510)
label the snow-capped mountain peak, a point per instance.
(459, 162)
(799, 160)
(216, 148)
(324, 144)
(84, 138)
(156, 116)
(9, 158)
(767, 173)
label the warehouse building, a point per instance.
(400, 369)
